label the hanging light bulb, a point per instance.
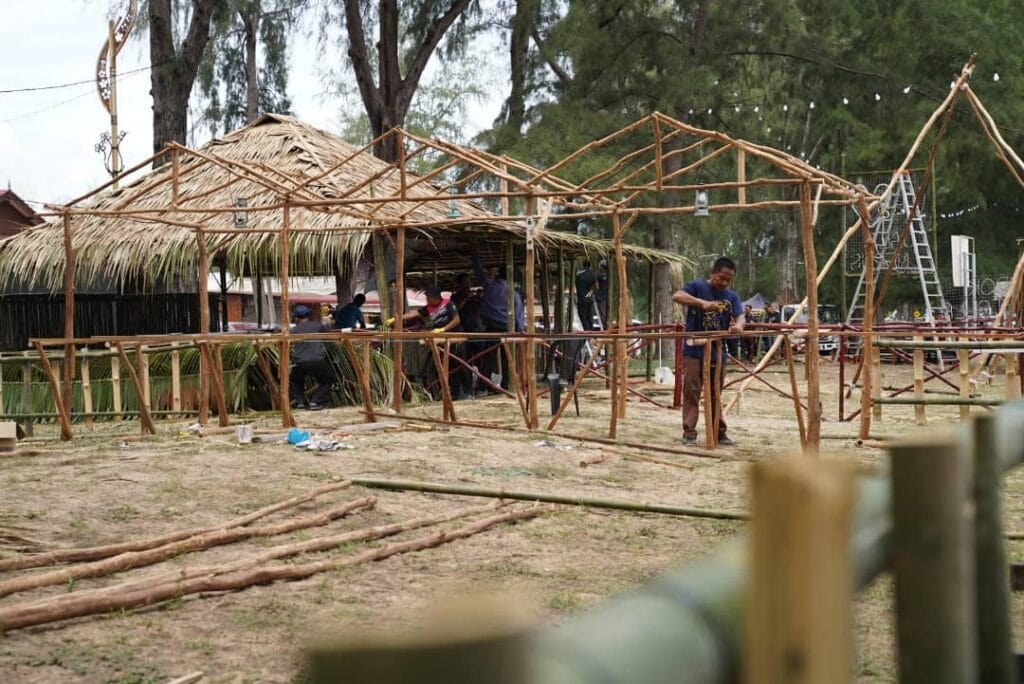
(811, 106)
(878, 98)
(453, 207)
(240, 218)
(995, 76)
(906, 91)
(701, 203)
(846, 100)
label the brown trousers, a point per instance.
(693, 382)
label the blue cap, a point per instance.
(302, 311)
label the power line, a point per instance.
(58, 86)
(128, 74)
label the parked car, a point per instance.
(828, 314)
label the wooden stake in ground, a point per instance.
(69, 315)
(811, 349)
(204, 325)
(145, 419)
(62, 414)
(964, 359)
(798, 622)
(919, 409)
(711, 438)
(869, 320)
(796, 392)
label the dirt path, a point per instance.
(94, 491)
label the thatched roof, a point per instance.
(145, 231)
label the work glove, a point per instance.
(390, 322)
(437, 330)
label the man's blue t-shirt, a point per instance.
(348, 315)
(698, 320)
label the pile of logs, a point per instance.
(238, 574)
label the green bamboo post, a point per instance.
(933, 559)
(26, 393)
(992, 583)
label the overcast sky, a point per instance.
(47, 137)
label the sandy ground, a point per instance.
(96, 490)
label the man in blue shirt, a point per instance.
(351, 315)
(710, 306)
(494, 314)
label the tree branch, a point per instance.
(360, 62)
(555, 67)
(432, 37)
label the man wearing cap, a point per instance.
(351, 315)
(307, 358)
(438, 316)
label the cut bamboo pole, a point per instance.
(69, 315)
(514, 382)
(218, 384)
(396, 350)
(361, 368)
(145, 419)
(284, 361)
(876, 382)
(798, 624)
(932, 555)
(580, 376)
(963, 369)
(175, 378)
(448, 407)
(142, 359)
(992, 583)
(204, 326)
(718, 381)
(919, 410)
(115, 386)
(567, 499)
(811, 350)
(272, 387)
(869, 321)
(741, 175)
(796, 393)
(711, 439)
(1012, 381)
(65, 423)
(622, 292)
(2, 411)
(17, 617)
(138, 559)
(529, 278)
(97, 552)
(27, 392)
(86, 393)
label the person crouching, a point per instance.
(307, 358)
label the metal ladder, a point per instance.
(886, 229)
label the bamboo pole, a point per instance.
(796, 393)
(811, 350)
(649, 352)
(218, 384)
(175, 378)
(595, 502)
(272, 387)
(58, 402)
(143, 362)
(963, 369)
(115, 385)
(361, 369)
(448, 407)
(622, 290)
(106, 551)
(396, 351)
(284, 360)
(1012, 382)
(919, 410)
(529, 277)
(940, 401)
(145, 419)
(869, 320)
(86, 393)
(204, 325)
(575, 386)
(27, 392)
(560, 303)
(798, 624)
(932, 554)
(741, 175)
(875, 354)
(2, 410)
(711, 438)
(994, 639)
(69, 315)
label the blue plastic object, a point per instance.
(295, 435)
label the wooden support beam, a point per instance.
(284, 362)
(919, 410)
(811, 350)
(448, 407)
(580, 376)
(513, 379)
(1012, 380)
(218, 384)
(69, 315)
(933, 559)
(868, 323)
(396, 350)
(204, 324)
(798, 624)
(272, 387)
(797, 407)
(145, 419)
(710, 437)
(86, 393)
(741, 175)
(142, 359)
(362, 370)
(115, 386)
(175, 378)
(58, 402)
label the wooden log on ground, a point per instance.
(17, 617)
(939, 401)
(137, 559)
(463, 490)
(649, 459)
(108, 550)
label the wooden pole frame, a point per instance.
(811, 350)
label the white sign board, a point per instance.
(960, 248)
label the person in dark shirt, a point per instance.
(586, 285)
(307, 359)
(494, 316)
(467, 301)
(710, 306)
(437, 316)
(351, 315)
(601, 293)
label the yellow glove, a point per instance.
(437, 330)
(390, 322)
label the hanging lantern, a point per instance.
(453, 208)
(241, 218)
(701, 203)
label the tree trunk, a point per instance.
(788, 291)
(174, 69)
(251, 21)
(522, 26)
